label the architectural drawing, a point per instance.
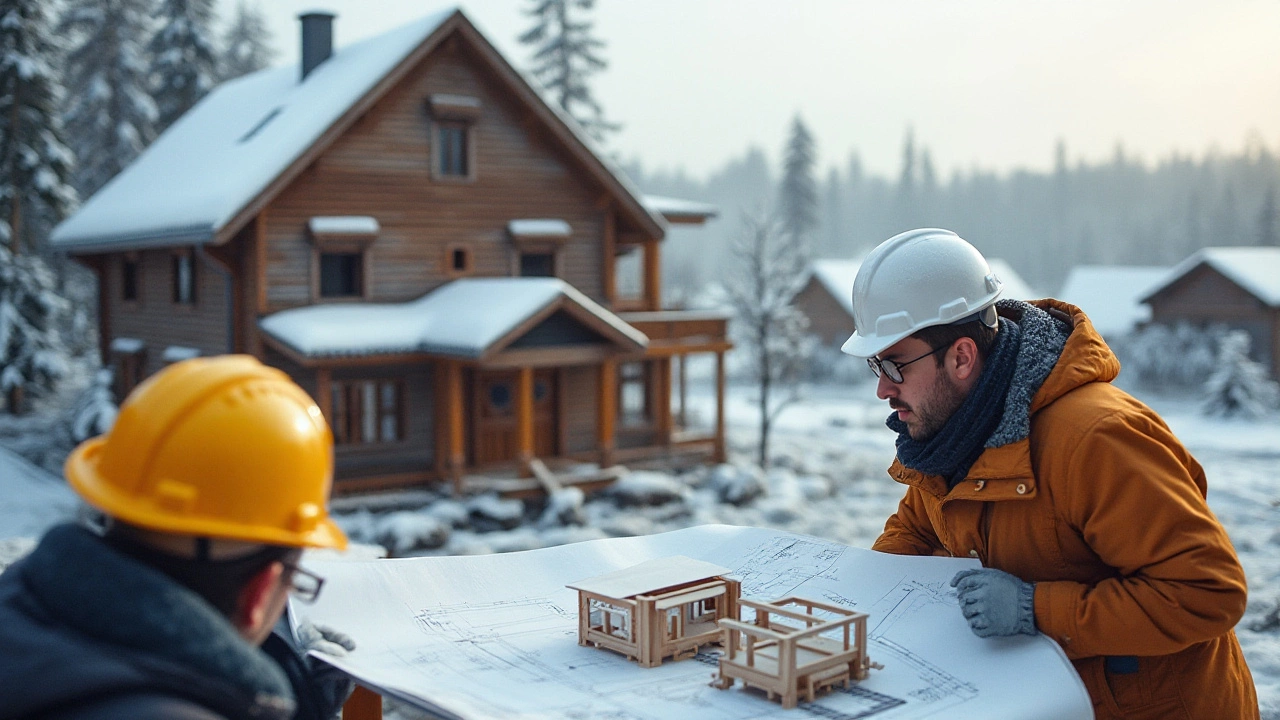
(497, 636)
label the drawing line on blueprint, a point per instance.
(778, 567)
(910, 597)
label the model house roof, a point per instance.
(466, 318)
(1111, 295)
(649, 576)
(219, 163)
(1255, 269)
(837, 278)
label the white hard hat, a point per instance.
(914, 280)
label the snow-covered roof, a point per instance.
(463, 318)
(837, 277)
(539, 227)
(1112, 295)
(343, 225)
(649, 576)
(1256, 269)
(675, 209)
(207, 168)
(1015, 288)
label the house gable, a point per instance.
(382, 167)
(1205, 292)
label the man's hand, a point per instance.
(995, 603)
(331, 685)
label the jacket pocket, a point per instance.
(1142, 695)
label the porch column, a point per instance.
(684, 384)
(607, 409)
(662, 398)
(718, 452)
(324, 393)
(524, 418)
(455, 424)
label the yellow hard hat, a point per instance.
(220, 447)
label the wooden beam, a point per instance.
(607, 410)
(684, 388)
(610, 260)
(652, 276)
(455, 424)
(719, 454)
(662, 399)
(364, 704)
(524, 419)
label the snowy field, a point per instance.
(830, 453)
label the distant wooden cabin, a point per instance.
(657, 610)
(826, 298)
(1111, 295)
(1236, 286)
(434, 252)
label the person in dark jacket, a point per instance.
(212, 481)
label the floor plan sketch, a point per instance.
(496, 636)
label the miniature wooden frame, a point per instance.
(659, 609)
(788, 661)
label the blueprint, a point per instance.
(495, 636)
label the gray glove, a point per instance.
(995, 602)
(331, 684)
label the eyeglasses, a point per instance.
(304, 584)
(894, 369)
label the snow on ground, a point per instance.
(830, 453)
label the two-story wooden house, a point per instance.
(413, 234)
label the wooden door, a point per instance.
(494, 413)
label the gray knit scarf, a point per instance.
(997, 410)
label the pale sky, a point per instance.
(983, 83)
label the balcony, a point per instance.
(681, 332)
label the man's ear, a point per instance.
(255, 599)
(964, 362)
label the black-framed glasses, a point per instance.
(304, 584)
(893, 369)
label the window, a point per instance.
(633, 394)
(341, 275)
(457, 261)
(451, 149)
(184, 278)
(129, 279)
(537, 265)
(367, 412)
(453, 118)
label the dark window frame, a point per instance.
(354, 275)
(635, 373)
(355, 424)
(130, 279)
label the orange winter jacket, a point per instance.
(1104, 510)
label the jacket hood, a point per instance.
(1085, 358)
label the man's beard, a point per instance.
(937, 407)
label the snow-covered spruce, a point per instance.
(110, 116)
(1238, 387)
(565, 56)
(32, 351)
(95, 410)
(246, 47)
(184, 57)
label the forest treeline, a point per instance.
(1124, 211)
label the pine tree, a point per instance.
(566, 55)
(905, 202)
(184, 59)
(769, 271)
(111, 116)
(32, 353)
(1267, 230)
(247, 44)
(35, 164)
(798, 196)
(1239, 387)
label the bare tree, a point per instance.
(769, 269)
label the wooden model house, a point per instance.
(1236, 286)
(656, 610)
(407, 229)
(789, 652)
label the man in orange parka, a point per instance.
(1088, 515)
